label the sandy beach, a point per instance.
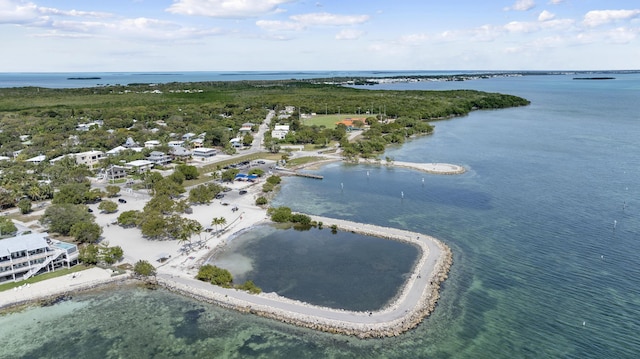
(176, 272)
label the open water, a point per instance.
(543, 227)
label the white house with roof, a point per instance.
(188, 136)
(246, 127)
(26, 255)
(88, 158)
(197, 142)
(203, 152)
(175, 143)
(280, 131)
(37, 159)
(236, 142)
(151, 143)
(159, 158)
(139, 165)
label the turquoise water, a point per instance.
(341, 270)
(539, 269)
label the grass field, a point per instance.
(329, 121)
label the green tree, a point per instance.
(260, 201)
(250, 287)
(60, 218)
(144, 268)
(280, 214)
(275, 180)
(7, 227)
(112, 191)
(110, 255)
(89, 254)
(230, 174)
(85, 232)
(153, 225)
(256, 171)
(129, 218)
(24, 205)
(160, 203)
(215, 275)
(247, 139)
(108, 206)
(167, 187)
(189, 172)
(72, 193)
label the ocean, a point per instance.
(96, 79)
(543, 227)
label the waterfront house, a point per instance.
(26, 255)
(280, 131)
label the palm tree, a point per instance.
(216, 221)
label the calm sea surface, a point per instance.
(540, 269)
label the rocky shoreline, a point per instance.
(392, 320)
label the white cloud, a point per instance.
(600, 17)
(522, 5)
(226, 8)
(324, 18)
(12, 12)
(556, 2)
(546, 16)
(274, 25)
(413, 39)
(349, 34)
(622, 35)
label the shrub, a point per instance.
(144, 268)
(215, 275)
(261, 201)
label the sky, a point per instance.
(301, 35)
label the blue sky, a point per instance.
(235, 35)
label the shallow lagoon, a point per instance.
(333, 269)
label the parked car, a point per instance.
(220, 196)
(243, 191)
(122, 200)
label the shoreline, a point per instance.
(415, 300)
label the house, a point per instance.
(175, 144)
(197, 142)
(180, 153)
(203, 152)
(114, 172)
(151, 143)
(37, 159)
(236, 142)
(280, 131)
(139, 166)
(130, 143)
(89, 158)
(26, 255)
(89, 125)
(159, 158)
(188, 136)
(116, 150)
(246, 127)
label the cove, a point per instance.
(341, 270)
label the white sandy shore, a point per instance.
(417, 299)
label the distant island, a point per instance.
(594, 78)
(84, 78)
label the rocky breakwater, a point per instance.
(417, 299)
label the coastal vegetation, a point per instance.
(223, 278)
